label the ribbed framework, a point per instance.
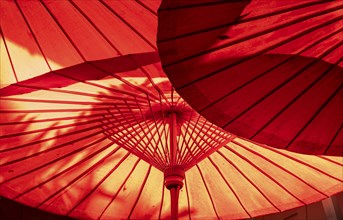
(138, 118)
(86, 125)
(165, 134)
(269, 71)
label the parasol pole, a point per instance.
(173, 140)
(173, 180)
(174, 198)
(174, 175)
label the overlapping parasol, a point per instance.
(108, 138)
(269, 71)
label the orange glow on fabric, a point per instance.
(98, 132)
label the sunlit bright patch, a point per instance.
(104, 135)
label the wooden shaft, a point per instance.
(174, 197)
(173, 140)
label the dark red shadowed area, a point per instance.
(91, 127)
(275, 78)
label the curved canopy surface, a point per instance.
(91, 139)
(84, 151)
(269, 71)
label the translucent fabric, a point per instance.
(90, 124)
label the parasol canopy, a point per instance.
(269, 71)
(105, 152)
(108, 137)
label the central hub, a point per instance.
(173, 180)
(173, 177)
(167, 113)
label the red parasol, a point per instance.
(270, 71)
(104, 137)
(95, 153)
